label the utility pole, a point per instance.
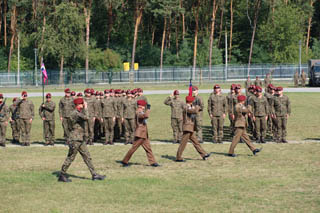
(18, 72)
(226, 57)
(35, 66)
(300, 57)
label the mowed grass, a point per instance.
(303, 123)
(282, 178)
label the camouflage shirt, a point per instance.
(259, 106)
(25, 109)
(4, 113)
(91, 102)
(177, 107)
(78, 120)
(217, 105)
(47, 111)
(282, 105)
(108, 108)
(129, 108)
(66, 106)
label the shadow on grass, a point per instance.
(57, 173)
(130, 164)
(312, 139)
(173, 158)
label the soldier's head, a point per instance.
(141, 104)
(217, 89)
(79, 94)
(1, 97)
(241, 99)
(257, 77)
(176, 94)
(279, 91)
(73, 94)
(238, 89)
(111, 91)
(14, 99)
(258, 91)
(270, 88)
(87, 92)
(67, 92)
(189, 99)
(24, 95)
(195, 90)
(302, 71)
(232, 88)
(139, 91)
(79, 103)
(106, 93)
(48, 97)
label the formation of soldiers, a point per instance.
(300, 79)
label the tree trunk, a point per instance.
(13, 26)
(5, 4)
(61, 79)
(169, 34)
(195, 42)
(183, 22)
(110, 23)
(139, 11)
(256, 15)
(162, 45)
(153, 33)
(221, 25)
(231, 28)
(177, 40)
(309, 28)
(213, 20)
(1, 16)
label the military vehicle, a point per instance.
(314, 72)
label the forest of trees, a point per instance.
(101, 34)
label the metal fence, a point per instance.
(155, 75)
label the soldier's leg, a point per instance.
(236, 138)
(83, 150)
(279, 130)
(258, 128)
(14, 130)
(175, 129)
(183, 144)
(147, 147)
(199, 127)
(274, 128)
(73, 151)
(132, 128)
(214, 124)
(220, 128)
(263, 127)
(197, 145)
(46, 131)
(180, 123)
(91, 130)
(134, 148)
(3, 128)
(247, 140)
(65, 126)
(284, 128)
(51, 131)
(231, 124)
(111, 125)
(28, 131)
(22, 123)
(106, 130)
(127, 132)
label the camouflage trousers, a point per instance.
(48, 131)
(67, 127)
(260, 127)
(15, 129)
(198, 126)
(231, 124)
(281, 128)
(176, 124)
(25, 127)
(74, 148)
(217, 123)
(89, 129)
(108, 129)
(117, 128)
(130, 125)
(3, 131)
(98, 129)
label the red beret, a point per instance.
(67, 90)
(194, 88)
(111, 90)
(97, 93)
(270, 86)
(92, 91)
(139, 90)
(88, 90)
(217, 86)
(241, 98)
(238, 86)
(258, 89)
(233, 86)
(1, 95)
(176, 92)
(106, 91)
(48, 95)
(101, 94)
(142, 102)
(279, 89)
(133, 92)
(79, 94)
(189, 99)
(78, 101)
(24, 93)
(14, 99)
(73, 93)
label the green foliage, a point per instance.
(148, 55)
(185, 54)
(203, 54)
(104, 61)
(316, 49)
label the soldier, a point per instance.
(79, 94)
(141, 135)
(240, 127)
(217, 109)
(303, 78)
(46, 112)
(247, 84)
(140, 95)
(176, 115)
(91, 102)
(231, 104)
(260, 111)
(15, 129)
(189, 118)
(73, 94)
(282, 110)
(26, 114)
(296, 79)
(267, 81)
(251, 95)
(78, 117)
(258, 82)
(119, 114)
(129, 114)
(269, 94)
(198, 101)
(66, 106)
(108, 106)
(98, 124)
(4, 118)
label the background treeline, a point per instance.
(101, 34)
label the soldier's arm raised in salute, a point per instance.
(168, 100)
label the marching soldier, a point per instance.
(303, 78)
(247, 84)
(15, 129)
(66, 106)
(26, 115)
(217, 109)
(296, 79)
(4, 118)
(260, 112)
(282, 110)
(177, 107)
(46, 112)
(108, 116)
(189, 118)
(91, 103)
(230, 102)
(141, 135)
(198, 101)
(129, 114)
(240, 127)
(258, 82)
(78, 117)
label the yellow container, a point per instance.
(126, 66)
(136, 66)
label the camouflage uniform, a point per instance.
(258, 83)
(4, 118)
(217, 109)
(129, 114)
(98, 127)
(282, 108)
(47, 111)
(14, 123)
(247, 84)
(267, 81)
(25, 112)
(66, 106)
(231, 103)
(296, 79)
(260, 111)
(119, 113)
(271, 121)
(108, 113)
(303, 79)
(177, 107)
(198, 101)
(89, 130)
(77, 141)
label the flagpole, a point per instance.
(42, 82)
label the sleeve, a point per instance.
(167, 101)
(201, 104)
(32, 110)
(7, 113)
(288, 106)
(60, 108)
(225, 105)
(209, 105)
(40, 111)
(267, 106)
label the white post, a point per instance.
(226, 57)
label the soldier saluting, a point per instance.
(4, 117)
(78, 117)
(25, 110)
(46, 112)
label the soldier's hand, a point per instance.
(122, 120)
(30, 120)
(171, 95)
(224, 116)
(85, 104)
(61, 118)
(6, 123)
(232, 117)
(43, 118)
(42, 105)
(93, 119)
(114, 119)
(253, 118)
(266, 117)
(101, 119)
(287, 116)
(10, 119)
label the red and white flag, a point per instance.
(44, 73)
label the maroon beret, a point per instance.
(78, 101)
(194, 88)
(14, 99)
(176, 92)
(79, 94)
(258, 89)
(241, 98)
(141, 102)
(279, 88)
(24, 93)
(217, 86)
(48, 95)
(67, 90)
(106, 91)
(88, 90)
(1, 95)
(73, 93)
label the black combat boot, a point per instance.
(63, 178)
(98, 177)
(262, 140)
(254, 152)
(206, 156)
